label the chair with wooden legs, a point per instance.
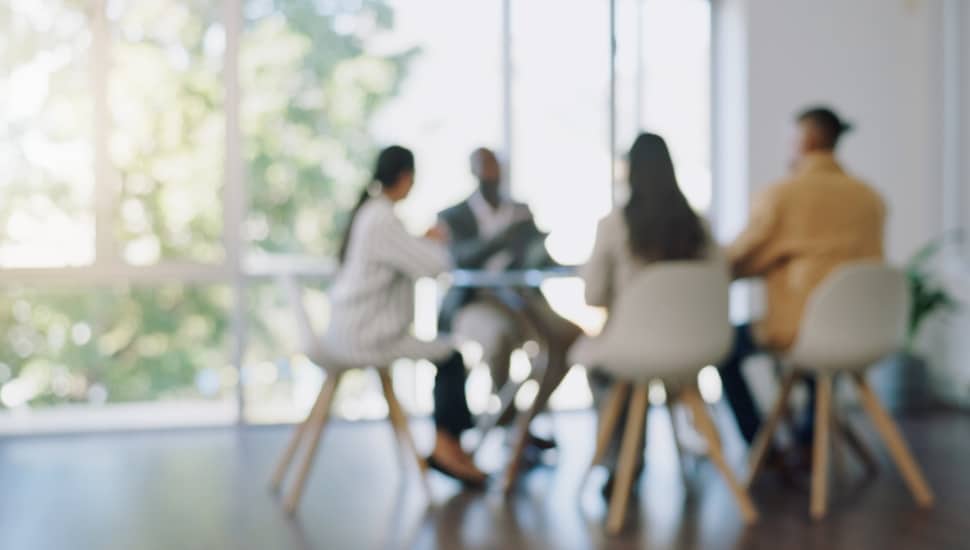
(855, 318)
(672, 321)
(308, 433)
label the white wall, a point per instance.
(873, 61)
(879, 64)
(963, 145)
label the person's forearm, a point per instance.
(473, 253)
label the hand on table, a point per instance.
(438, 233)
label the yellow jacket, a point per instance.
(799, 230)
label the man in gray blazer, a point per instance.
(489, 231)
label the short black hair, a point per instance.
(831, 126)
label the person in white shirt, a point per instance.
(372, 304)
(489, 231)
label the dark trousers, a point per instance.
(451, 412)
(739, 396)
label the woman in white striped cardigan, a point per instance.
(372, 304)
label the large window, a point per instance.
(449, 101)
(663, 85)
(675, 89)
(111, 156)
(101, 345)
(166, 146)
(334, 86)
(46, 127)
(560, 119)
(162, 160)
(310, 91)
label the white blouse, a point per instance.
(372, 299)
(612, 265)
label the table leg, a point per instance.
(553, 375)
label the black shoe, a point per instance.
(532, 458)
(467, 482)
(541, 443)
(792, 466)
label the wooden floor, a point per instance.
(205, 489)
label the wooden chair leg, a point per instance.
(898, 448)
(705, 424)
(820, 450)
(630, 450)
(609, 416)
(315, 430)
(399, 421)
(279, 474)
(670, 404)
(762, 442)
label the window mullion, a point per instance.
(234, 194)
(105, 186)
(507, 108)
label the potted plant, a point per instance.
(903, 381)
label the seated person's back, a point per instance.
(800, 230)
(613, 265)
(656, 225)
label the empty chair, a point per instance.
(670, 323)
(309, 431)
(856, 317)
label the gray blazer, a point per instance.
(469, 250)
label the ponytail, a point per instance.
(345, 240)
(391, 163)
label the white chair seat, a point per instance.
(671, 322)
(600, 353)
(856, 317)
(331, 359)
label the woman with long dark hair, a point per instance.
(372, 304)
(656, 224)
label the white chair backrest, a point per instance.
(308, 339)
(855, 317)
(671, 321)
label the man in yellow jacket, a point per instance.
(800, 229)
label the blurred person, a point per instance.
(657, 224)
(800, 229)
(372, 304)
(489, 231)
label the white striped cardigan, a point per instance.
(372, 299)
